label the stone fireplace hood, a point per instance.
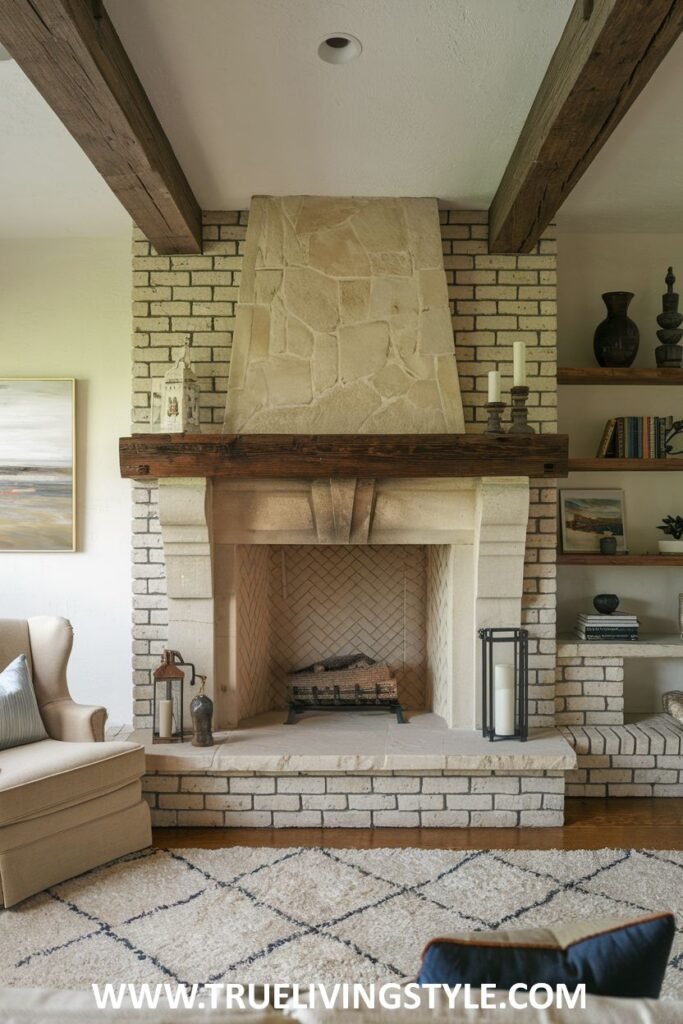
(343, 322)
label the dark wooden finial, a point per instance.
(670, 280)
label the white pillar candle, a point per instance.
(165, 719)
(494, 386)
(519, 364)
(504, 700)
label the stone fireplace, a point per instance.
(345, 324)
(342, 326)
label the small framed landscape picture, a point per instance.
(587, 516)
(37, 464)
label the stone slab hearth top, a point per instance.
(357, 742)
(650, 645)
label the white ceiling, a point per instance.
(433, 106)
(48, 187)
(635, 183)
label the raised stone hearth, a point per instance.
(352, 770)
(369, 741)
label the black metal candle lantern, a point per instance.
(168, 698)
(510, 710)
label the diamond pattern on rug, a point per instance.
(629, 877)
(336, 885)
(39, 927)
(297, 915)
(210, 943)
(157, 887)
(487, 897)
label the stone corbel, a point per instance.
(184, 515)
(343, 509)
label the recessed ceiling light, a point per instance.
(339, 48)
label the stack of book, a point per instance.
(637, 437)
(607, 627)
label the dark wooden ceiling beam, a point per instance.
(69, 49)
(608, 52)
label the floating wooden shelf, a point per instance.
(304, 456)
(588, 559)
(625, 465)
(618, 375)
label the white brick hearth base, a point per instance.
(430, 799)
(640, 759)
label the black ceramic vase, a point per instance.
(617, 338)
(201, 709)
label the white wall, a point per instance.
(65, 311)
(589, 265)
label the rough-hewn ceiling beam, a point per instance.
(70, 51)
(608, 52)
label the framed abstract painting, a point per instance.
(37, 464)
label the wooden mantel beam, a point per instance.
(608, 52)
(69, 49)
(368, 456)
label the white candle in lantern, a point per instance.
(504, 700)
(494, 386)
(519, 364)
(165, 719)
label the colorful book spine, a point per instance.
(608, 439)
(635, 437)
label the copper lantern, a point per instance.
(168, 699)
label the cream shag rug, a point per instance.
(303, 915)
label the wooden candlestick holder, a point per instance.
(519, 411)
(494, 411)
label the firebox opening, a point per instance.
(297, 605)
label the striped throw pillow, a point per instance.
(20, 720)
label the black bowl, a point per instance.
(605, 603)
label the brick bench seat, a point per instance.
(639, 759)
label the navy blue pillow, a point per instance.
(611, 957)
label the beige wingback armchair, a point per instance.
(70, 802)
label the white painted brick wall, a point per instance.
(589, 691)
(430, 800)
(177, 300)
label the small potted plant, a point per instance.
(672, 526)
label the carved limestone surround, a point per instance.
(218, 588)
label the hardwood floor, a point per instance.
(590, 824)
